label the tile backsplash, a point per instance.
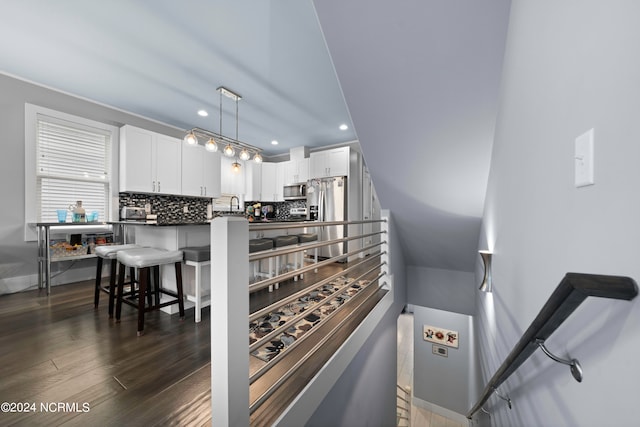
(169, 208)
(282, 208)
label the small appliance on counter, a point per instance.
(132, 213)
(298, 214)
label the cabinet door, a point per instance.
(280, 169)
(168, 164)
(338, 162)
(211, 174)
(192, 170)
(296, 171)
(303, 170)
(318, 164)
(253, 181)
(268, 182)
(135, 160)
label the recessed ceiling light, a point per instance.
(202, 113)
(344, 127)
(274, 142)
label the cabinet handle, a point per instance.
(154, 187)
(158, 186)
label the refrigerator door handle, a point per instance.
(321, 207)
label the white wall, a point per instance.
(570, 65)
(448, 290)
(443, 381)
(18, 259)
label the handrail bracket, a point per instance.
(574, 365)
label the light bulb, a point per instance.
(257, 158)
(211, 145)
(244, 155)
(235, 167)
(229, 151)
(191, 138)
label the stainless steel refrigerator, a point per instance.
(327, 201)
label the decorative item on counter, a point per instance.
(249, 213)
(257, 211)
(62, 215)
(79, 214)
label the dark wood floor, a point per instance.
(60, 350)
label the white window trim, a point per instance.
(30, 147)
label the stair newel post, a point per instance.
(229, 321)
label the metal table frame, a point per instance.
(44, 256)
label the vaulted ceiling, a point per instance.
(417, 81)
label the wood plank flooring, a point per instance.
(60, 350)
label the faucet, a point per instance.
(231, 203)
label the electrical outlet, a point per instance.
(147, 208)
(185, 209)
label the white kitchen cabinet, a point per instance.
(333, 162)
(296, 171)
(273, 181)
(200, 172)
(253, 181)
(231, 182)
(149, 162)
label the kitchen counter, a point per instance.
(157, 223)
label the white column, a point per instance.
(229, 322)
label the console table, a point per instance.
(44, 237)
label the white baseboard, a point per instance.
(447, 413)
(29, 282)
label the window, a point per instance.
(73, 164)
(67, 159)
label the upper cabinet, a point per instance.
(200, 172)
(231, 182)
(272, 181)
(333, 162)
(252, 181)
(149, 162)
(296, 171)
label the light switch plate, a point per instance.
(584, 159)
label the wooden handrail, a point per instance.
(570, 293)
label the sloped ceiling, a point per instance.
(421, 80)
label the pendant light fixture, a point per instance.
(191, 138)
(235, 167)
(231, 146)
(211, 145)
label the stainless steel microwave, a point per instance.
(295, 192)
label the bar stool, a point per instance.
(307, 238)
(259, 245)
(279, 242)
(108, 252)
(197, 257)
(144, 259)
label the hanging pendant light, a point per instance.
(235, 167)
(231, 146)
(229, 151)
(191, 138)
(211, 145)
(244, 155)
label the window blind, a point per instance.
(73, 163)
